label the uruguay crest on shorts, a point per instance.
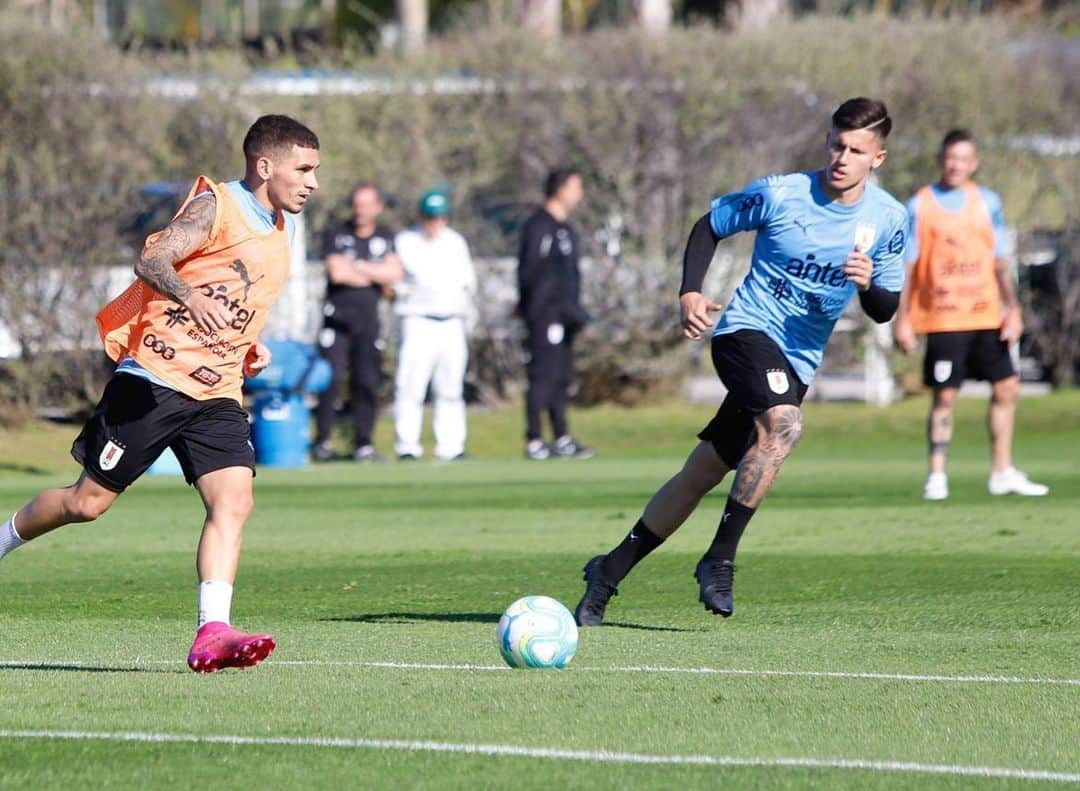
(110, 455)
(778, 381)
(942, 370)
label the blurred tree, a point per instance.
(413, 22)
(653, 16)
(542, 17)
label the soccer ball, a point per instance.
(537, 631)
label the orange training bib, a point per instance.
(239, 266)
(953, 282)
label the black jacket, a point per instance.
(549, 282)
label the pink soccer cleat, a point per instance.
(217, 645)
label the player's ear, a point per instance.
(264, 167)
(879, 159)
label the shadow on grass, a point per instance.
(80, 668)
(26, 469)
(646, 628)
(411, 617)
(472, 617)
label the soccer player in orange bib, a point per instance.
(959, 293)
(183, 336)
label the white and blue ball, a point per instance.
(537, 631)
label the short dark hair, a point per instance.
(958, 135)
(863, 113)
(272, 135)
(557, 178)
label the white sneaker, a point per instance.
(937, 486)
(1012, 481)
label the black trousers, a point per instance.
(550, 371)
(350, 349)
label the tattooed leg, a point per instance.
(939, 427)
(778, 432)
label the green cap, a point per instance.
(435, 203)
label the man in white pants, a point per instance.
(434, 301)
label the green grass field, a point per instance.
(879, 641)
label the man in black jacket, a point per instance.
(361, 266)
(549, 286)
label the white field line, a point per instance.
(550, 753)
(705, 671)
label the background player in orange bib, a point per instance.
(183, 336)
(959, 293)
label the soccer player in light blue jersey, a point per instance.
(822, 237)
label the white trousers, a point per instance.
(434, 352)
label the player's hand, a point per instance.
(207, 313)
(859, 268)
(696, 308)
(257, 358)
(904, 336)
(1012, 327)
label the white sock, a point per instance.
(215, 601)
(9, 539)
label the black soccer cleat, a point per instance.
(716, 578)
(590, 610)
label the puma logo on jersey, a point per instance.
(240, 268)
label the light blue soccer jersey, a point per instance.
(953, 201)
(796, 288)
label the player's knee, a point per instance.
(1006, 391)
(234, 511)
(783, 427)
(698, 479)
(703, 471)
(86, 507)
(945, 399)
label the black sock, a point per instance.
(639, 542)
(732, 524)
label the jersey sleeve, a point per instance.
(746, 210)
(889, 258)
(536, 286)
(997, 222)
(911, 248)
(329, 244)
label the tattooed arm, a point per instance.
(157, 264)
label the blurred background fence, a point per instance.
(105, 107)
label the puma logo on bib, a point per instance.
(778, 381)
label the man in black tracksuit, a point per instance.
(549, 286)
(360, 265)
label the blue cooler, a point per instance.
(281, 421)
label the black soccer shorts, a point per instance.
(136, 420)
(952, 357)
(758, 377)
